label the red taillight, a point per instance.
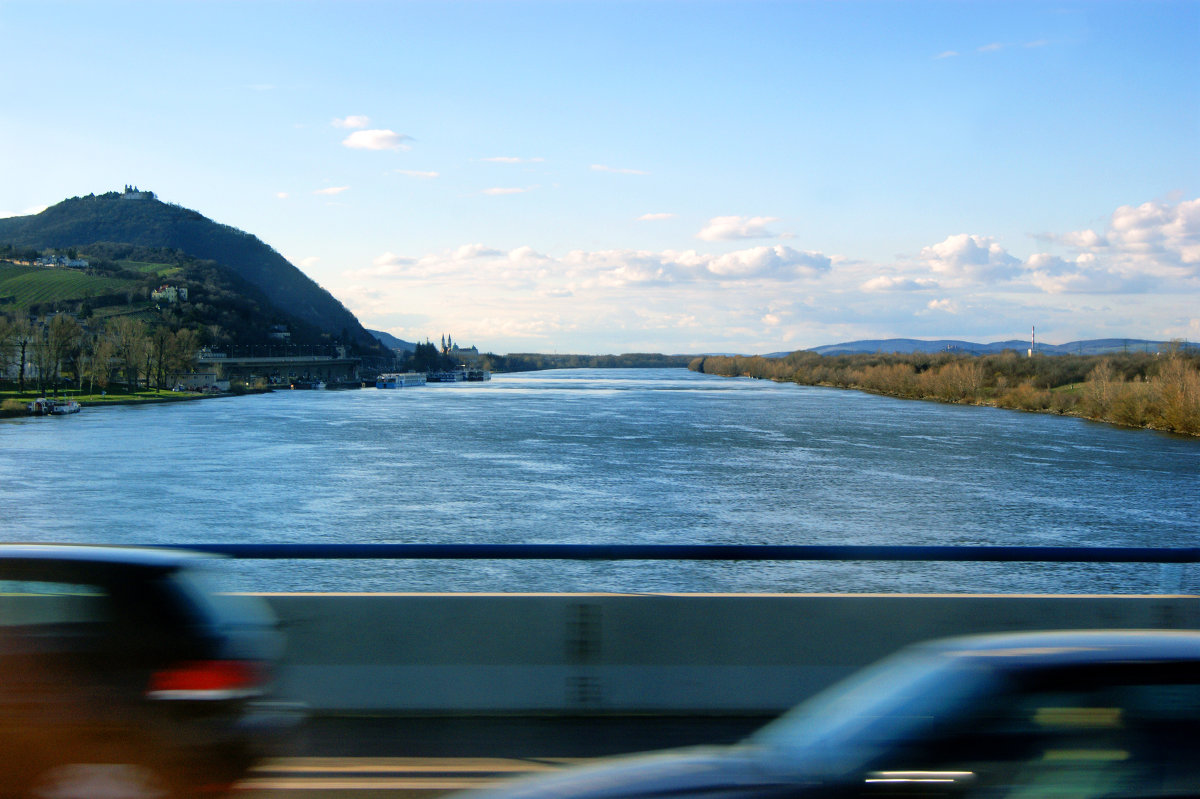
(207, 679)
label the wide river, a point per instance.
(608, 456)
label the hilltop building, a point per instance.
(132, 193)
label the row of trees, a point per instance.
(532, 361)
(48, 352)
(1160, 391)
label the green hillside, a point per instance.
(25, 287)
(97, 222)
(120, 280)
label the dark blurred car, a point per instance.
(124, 673)
(1069, 715)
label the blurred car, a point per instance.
(124, 673)
(1069, 715)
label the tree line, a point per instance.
(1152, 390)
(62, 351)
(530, 361)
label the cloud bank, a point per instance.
(1145, 257)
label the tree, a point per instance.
(64, 339)
(185, 346)
(21, 338)
(129, 343)
(7, 327)
(103, 351)
(161, 340)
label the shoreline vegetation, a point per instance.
(16, 404)
(1157, 391)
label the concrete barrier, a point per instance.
(615, 653)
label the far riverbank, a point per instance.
(1156, 391)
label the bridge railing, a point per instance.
(638, 653)
(721, 552)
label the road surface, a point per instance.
(422, 758)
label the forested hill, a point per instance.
(83, 221)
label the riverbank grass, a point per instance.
(16, 403)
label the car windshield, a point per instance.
(845, 726)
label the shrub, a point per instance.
(14, 407)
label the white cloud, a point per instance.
(945, 54)
(37, 209)
(282, 195)
(391, 259)
(897, 283)
(332, 190)
(654, 217)
(377, 140)
(387, 265)
(1149, 241)
(1084, 239)
(367, 301)
(617, 170)
(771, 320)
(727, 228)
(526, 256)
(774, 262)
(992, 48)
(499, 191)
(310, 261)
(414, 173)
(352, 121)
(944, 305)
(968, 258)
(469, 251)
(505, 159)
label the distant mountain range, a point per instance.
(1099, 346)
(139, 219)
(391, 342)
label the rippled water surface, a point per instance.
(608, 456)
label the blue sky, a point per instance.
(667, 176)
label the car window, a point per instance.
(42, 602)
(847, 726)
(1085, 732)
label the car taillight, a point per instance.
(207, 679)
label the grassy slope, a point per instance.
(22, 286)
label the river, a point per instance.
(608, 456)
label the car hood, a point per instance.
(712, 771)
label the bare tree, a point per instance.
(129, 342)
(21, 340)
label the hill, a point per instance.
(911, 345)
(81, 223)
(391, 342)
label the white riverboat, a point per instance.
(400, 380)
(51, 407)
(463, 374)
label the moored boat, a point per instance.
(400, 380)
(43, 406)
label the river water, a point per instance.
(608, 456)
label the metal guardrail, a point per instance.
(730, 552)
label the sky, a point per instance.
(649, 176)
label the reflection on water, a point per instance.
(607, 456)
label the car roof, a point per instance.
(1071, 647)
(146, 557)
